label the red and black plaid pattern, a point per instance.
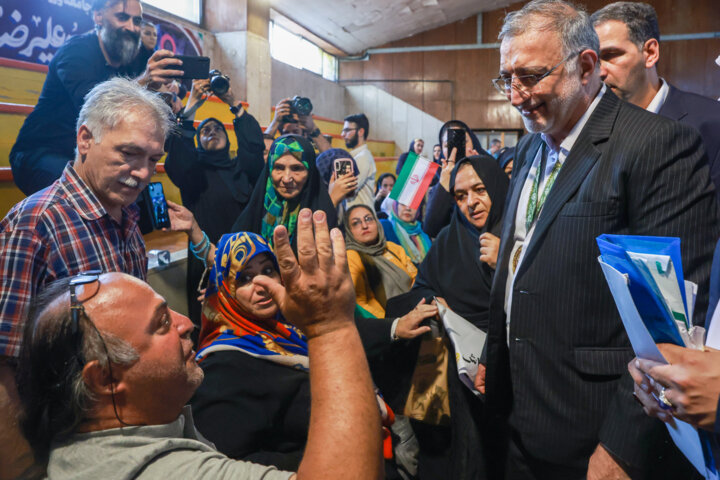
(57, 232)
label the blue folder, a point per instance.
(647, 298)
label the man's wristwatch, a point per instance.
(315, 133)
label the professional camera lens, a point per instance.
(219, 83)
(302, 105)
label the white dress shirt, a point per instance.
(659, 98)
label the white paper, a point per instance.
(713, 330)
(468, 341)
(641, 340)
(659, 272)
(691, 290)
(683, 434)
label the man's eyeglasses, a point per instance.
(367, 219)
(348, 130)
(524, 83)
(76, 309)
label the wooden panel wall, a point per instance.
(466, 92)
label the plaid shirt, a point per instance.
(57, 232)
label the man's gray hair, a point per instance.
(640, 19)
(571, 23)
(112, 101)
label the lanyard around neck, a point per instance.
(534, 205)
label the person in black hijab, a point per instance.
(440, 201)
(505, 158)
(415, 146)
(276, 199)
(214, 186)
(456, 270)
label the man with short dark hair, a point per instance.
(355, 133)
(629, 53)
(107, 399)
(87, 219)
(557, 351)
(285, 123)
(46, 141)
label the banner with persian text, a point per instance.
(33, 30)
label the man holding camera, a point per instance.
(294, 115)
(46, 142)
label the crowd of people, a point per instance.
(314, 295)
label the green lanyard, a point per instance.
(534, 206)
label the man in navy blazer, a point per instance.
(629, 52)
(557, 352)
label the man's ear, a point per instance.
(651, 52)
(588, 64)
(361, 133)
(99, 381)
(98, 17)
(84, 140)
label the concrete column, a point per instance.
(239, 47)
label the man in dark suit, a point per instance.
(629, 52)
(557, 352)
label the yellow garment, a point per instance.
(363, 292)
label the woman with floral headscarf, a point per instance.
(255, 399)
(254, 403)
(290, 182)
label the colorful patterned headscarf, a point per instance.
(277, 209)
(225, 326)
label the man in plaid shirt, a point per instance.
(85, 220)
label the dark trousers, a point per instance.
(522, 466)
(36, 169)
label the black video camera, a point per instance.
(219, 83)
(300, 106)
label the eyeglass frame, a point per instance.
(505, 89)
(348, 130)
(76, 309)
(362, 221)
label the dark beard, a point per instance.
(352, 142)
(121, 45)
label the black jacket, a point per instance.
(563, 379)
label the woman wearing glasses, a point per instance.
(380, 269)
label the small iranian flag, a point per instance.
(414, 180)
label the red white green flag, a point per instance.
(414, 180)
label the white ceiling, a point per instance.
(356, 25)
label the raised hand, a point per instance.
(317, 293)
(342, 188)
(446, 169)
(162, 67)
